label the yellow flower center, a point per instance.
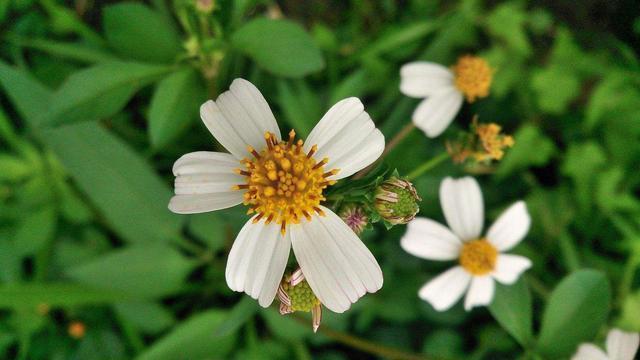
(284, 183)
(472, 77)
(478, 257)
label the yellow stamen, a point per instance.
(473, 77)
(478, 257)
(284, 184)
(492, 141)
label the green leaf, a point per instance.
(300, 106)
(148, 317)
(208, 228)
(174, 106)
(138, 32)
(193, 339)
(532, 148)
(147, 271)
(34, 230)
(30, 98)
(280, 46)
(125, 189)
(556, 87)
(512, 308)
(68, 50)
(30, 295)
(100, 91)
(507, 22)
(238, 316)
(576, 309)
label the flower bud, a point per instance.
(355, 217)
(295, 294)
(396, 200)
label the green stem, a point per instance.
(365, 345)
(428, 165)
(538, 286)
(627, 277)
(569, 252)
(390, 146)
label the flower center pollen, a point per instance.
(478, 257)
(284, 183)
(473, 77)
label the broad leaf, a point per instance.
(512, 308)
(29, 97)
(31, 295)
(100, 91)
(140, 33)
(174, 106)
(577, 308)
(125, 189)
(147, 271)
(280, 46)
(148, 317)
(193, 339)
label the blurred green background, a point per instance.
(99, 98)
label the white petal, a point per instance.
(199, 203)
(446, 289)
(480, 292)
(589, 352)
(622, 345)
(421, 79)
(434, 114)
(511, 227)
(205, 173)
(461, 201)
(239, 117)
(510, 267)
(204, 182)
(257, 261)
(348, 137)
(431, 240)
(337, 265)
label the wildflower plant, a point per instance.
(216, 179)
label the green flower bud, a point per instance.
(295, 294)
(396, 200)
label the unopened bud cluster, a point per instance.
(396, 200)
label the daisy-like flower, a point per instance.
(480, 258)
(282, 183)
(444, 89)
(620, 346)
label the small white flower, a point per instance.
(620, 346)
(480, 259)
(443, 90)
(282, 183)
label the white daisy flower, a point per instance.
(282, 183)
(480, 258)
(620, 346)
(444, 89)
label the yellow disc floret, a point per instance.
(493, 142)
(284, 183)
(478, 257)
(473, 77)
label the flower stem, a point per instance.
(428, 165)
(538, 286)
(406, 130)
(365, 345)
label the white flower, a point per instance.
(282, 182)
(620, 346)
(443, 90)
(480, 259)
